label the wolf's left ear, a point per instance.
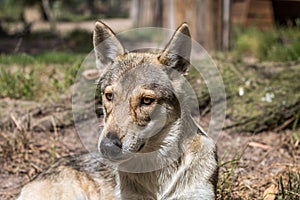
(106, 44)
(178, 51)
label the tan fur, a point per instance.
(185, 158)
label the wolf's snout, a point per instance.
(111, 146)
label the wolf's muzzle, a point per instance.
(111, 146)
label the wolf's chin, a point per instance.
(141, 147)
(119, 159)
(125, 156)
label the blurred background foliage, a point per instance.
(66, 10)
(276, 44)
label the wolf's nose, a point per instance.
(111, 145)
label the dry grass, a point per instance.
(264, 166)
(25, 153)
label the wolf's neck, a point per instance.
(150, 182)
(158, 183)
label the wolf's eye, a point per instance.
(109, 96)
(147, 101)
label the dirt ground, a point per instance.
(34, 135)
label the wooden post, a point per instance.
(134, 10)
(147, 13)
(200, 16)
(158, 13)
(209, 25)
(226, 24)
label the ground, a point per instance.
(249, 164)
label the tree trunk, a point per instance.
(50, 15)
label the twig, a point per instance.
(18, 45)
(285, 124)
(294, 193)
(54, 128)
(16, 123)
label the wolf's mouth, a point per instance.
(126, 156)
(141, 147)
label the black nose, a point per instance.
(111, 146)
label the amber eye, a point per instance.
(147, 101)
(109, 96)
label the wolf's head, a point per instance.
(140, 93)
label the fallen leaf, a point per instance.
(270, 192)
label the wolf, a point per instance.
(150, 148)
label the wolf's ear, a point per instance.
(106, 44)
(178, 51)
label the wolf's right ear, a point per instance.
(106, 45)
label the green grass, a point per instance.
(48, 57)
(48, 74)
(227, 183)
(278, 44)
(17, 84)
(289, 189)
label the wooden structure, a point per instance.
(204, 17)
(253, 12)
(210, 20)
(265, 13)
